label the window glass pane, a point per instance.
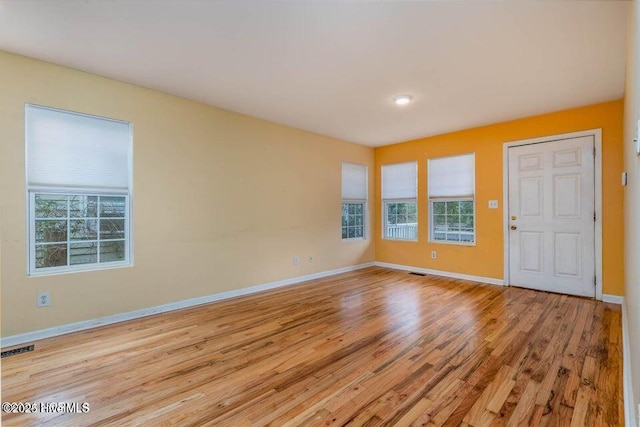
(83, 229)
(112, 206)
(51, 231)
(453, 223)
(51, 255)
(456, 225)
(77, 239)
(83, 253)
(400, 224)
(439, 222)
(453, 237)
(466, 237)
(84, 207)
(466, 222)
(452, 208)
(111, 228)
(352, 220)
(112, 251)
(466, 208)
(51, 206)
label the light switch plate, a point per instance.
(493, 204)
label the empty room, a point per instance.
(287, 213)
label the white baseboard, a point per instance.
(614, 299)
(630, 417)
(136, 314)
(489, 280)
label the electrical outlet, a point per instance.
(493, 204)
(44, 299)
(295, 260)
(310, 258)
(433, 254)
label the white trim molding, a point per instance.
(136, 314)
(630, 416)
(489, 280)
(613, 299)
(597, 138)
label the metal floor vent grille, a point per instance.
(417, 274)
(18, 350)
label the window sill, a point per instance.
(72, 270)
(440, 242)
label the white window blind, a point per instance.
(452, 177)
(399, 181)
(354, 181)
(65, 149)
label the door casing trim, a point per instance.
(597, 137)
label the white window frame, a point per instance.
(385, 225)
(363, 200)
(32, 190)
(432, 221)
(77, 267)
(432, 200)
(364, 219)
(399, 198)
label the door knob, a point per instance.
(513, 227)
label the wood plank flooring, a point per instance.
(371, 347)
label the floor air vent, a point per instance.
(417, 274)
(18, 350)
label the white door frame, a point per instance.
(597, 136)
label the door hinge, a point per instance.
(594, 152)
(595, 281)
(594, 216)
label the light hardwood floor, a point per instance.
(371, 347)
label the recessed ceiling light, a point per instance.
(402, 99)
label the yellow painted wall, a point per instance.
(221, 201)
(485, 259)
(632, 205)
(224, 201)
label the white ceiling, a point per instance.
(333, 67)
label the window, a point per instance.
(354, 200)
(78, 174)
(399, 201)
(451, 199)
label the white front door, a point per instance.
(551, 219)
